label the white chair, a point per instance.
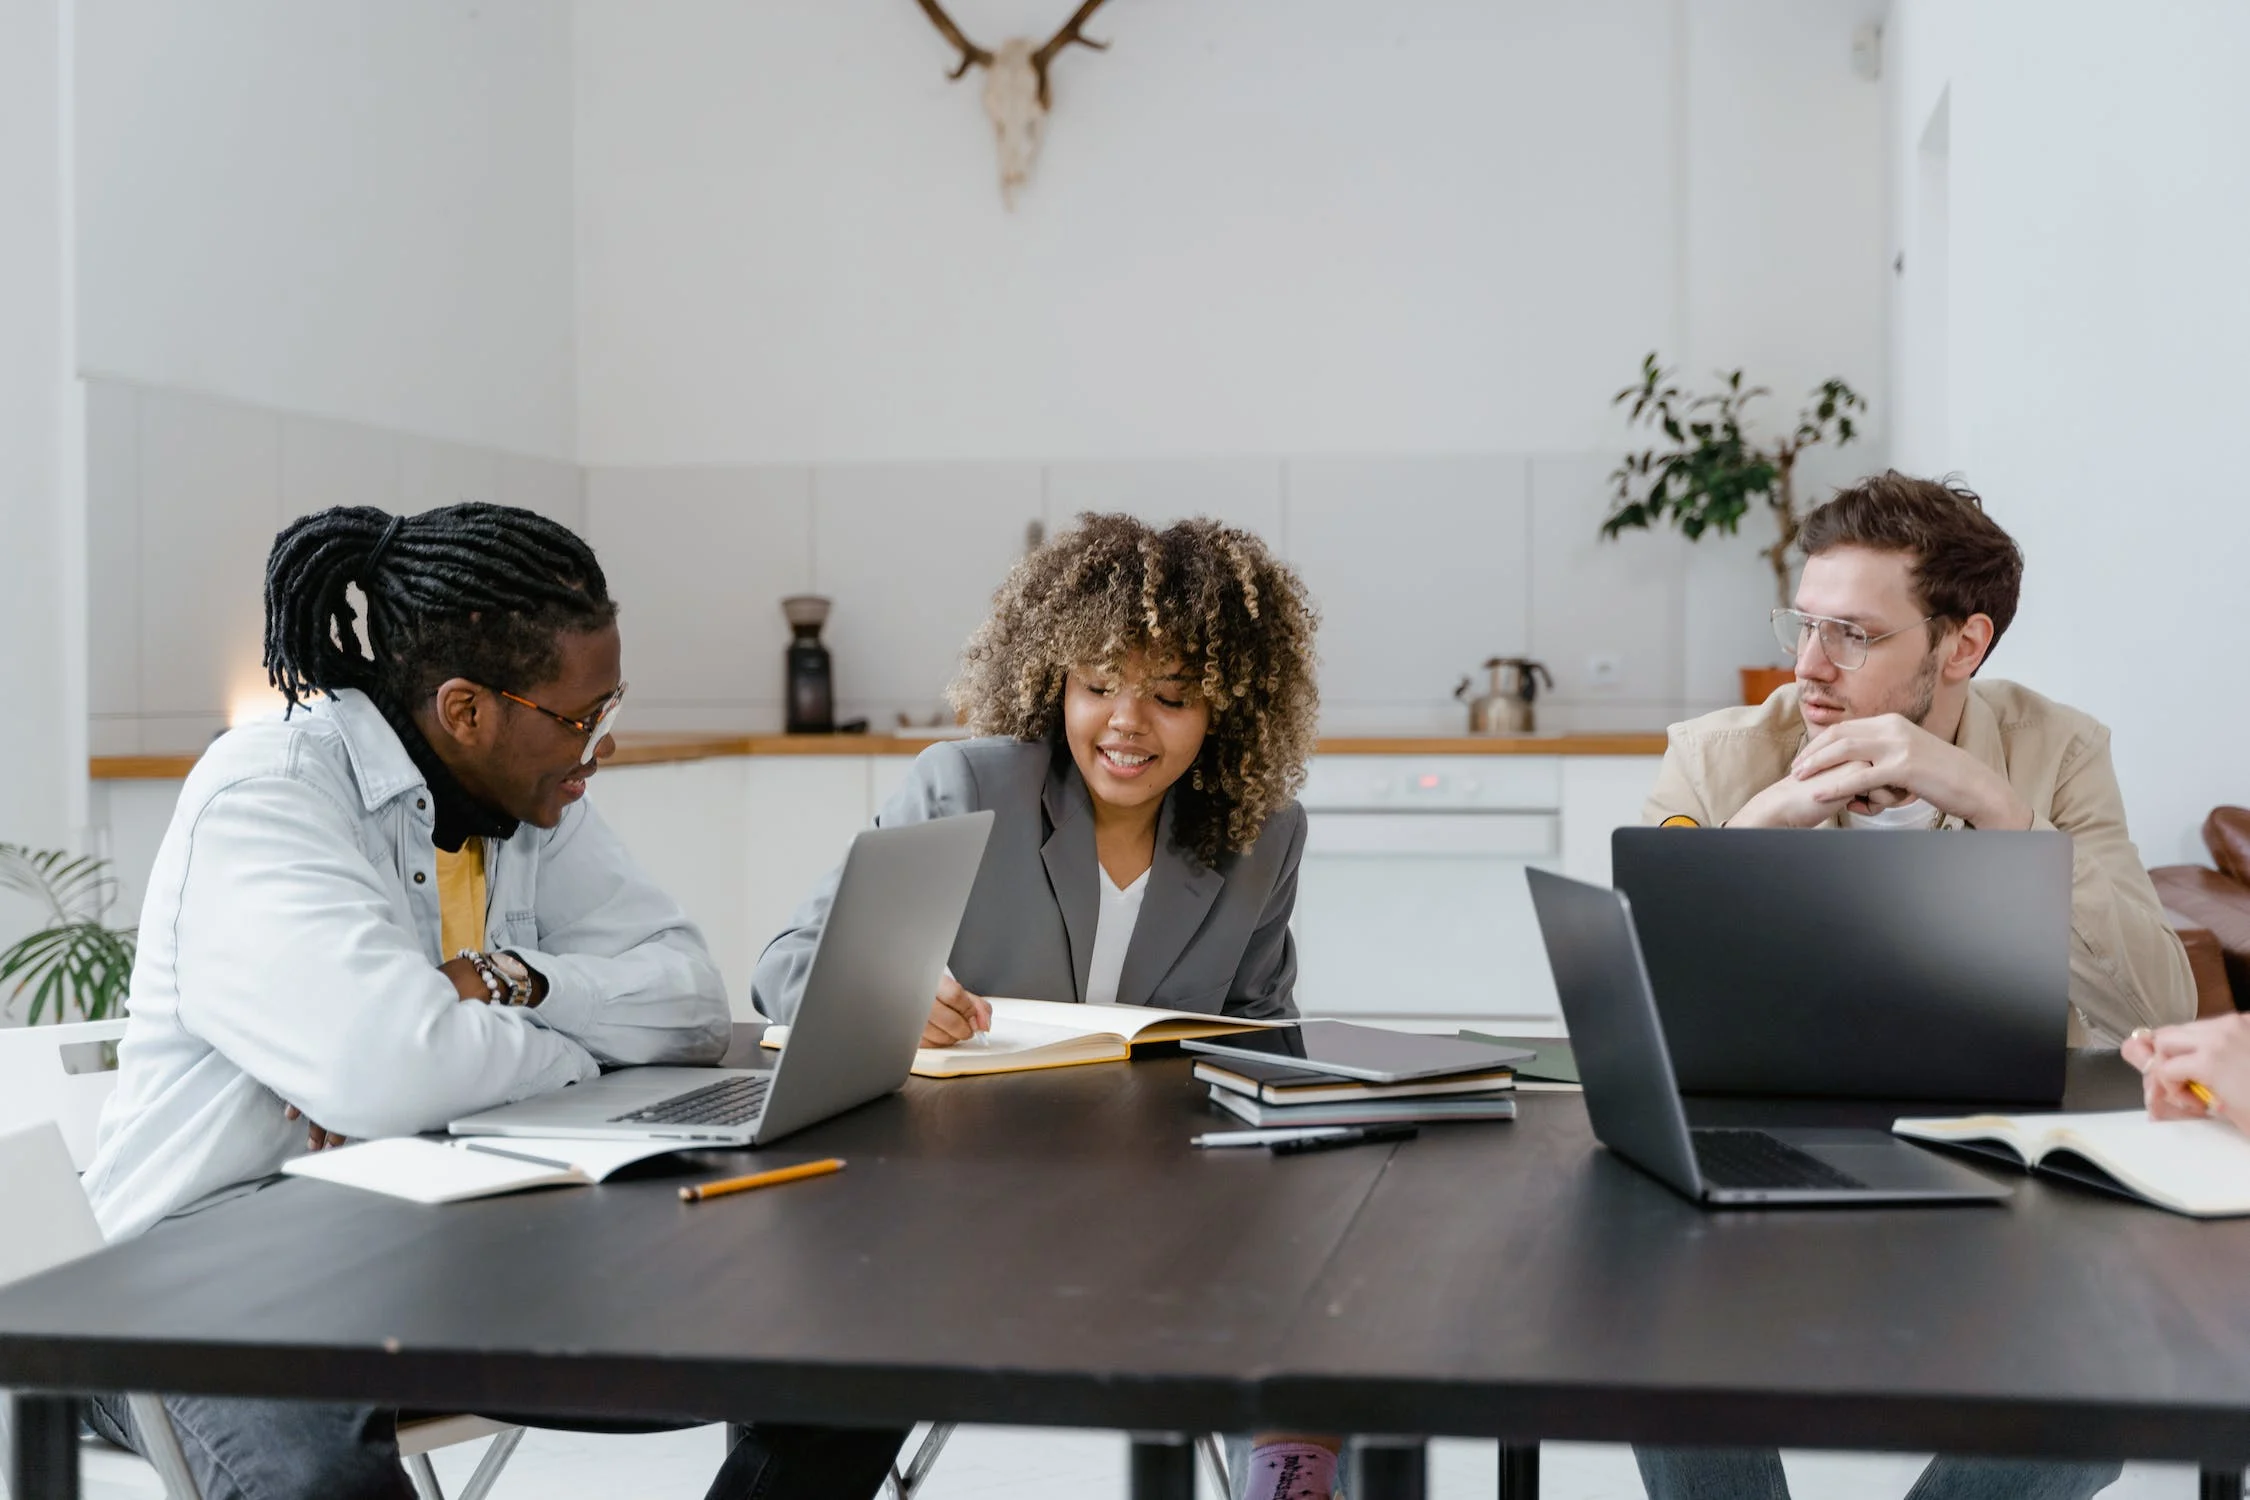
(52, 1087)
(54, 1225)
(905, 1482)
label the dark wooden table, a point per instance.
(1045, 1248)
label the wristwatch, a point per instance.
(522, 982)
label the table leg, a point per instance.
(2219, 1484)
(1163, 1467)
(1388, 1469)
(1519, 1471)
(44, 1461)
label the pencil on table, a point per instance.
(774, 1178)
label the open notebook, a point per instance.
(428, 1171)
(2196, 1167)
(1030, 1034)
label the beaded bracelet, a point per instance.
(495, 982)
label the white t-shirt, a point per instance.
(1113, 934)
(1915, 814)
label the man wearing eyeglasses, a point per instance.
(1907, 587)
(388, 907)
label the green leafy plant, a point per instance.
(76, 962)
(1711, 471)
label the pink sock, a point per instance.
(1291, 1471)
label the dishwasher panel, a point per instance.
(1423, 915)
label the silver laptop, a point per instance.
(898, 906)
(1633, 1099)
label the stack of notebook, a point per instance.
(1450, 1079)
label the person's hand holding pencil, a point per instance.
(774, 1178)
(2193, 1070)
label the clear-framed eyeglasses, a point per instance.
(594, 726)
(1842, 642)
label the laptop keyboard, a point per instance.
(1754, 1159)
(730, 1101)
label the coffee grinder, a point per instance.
(811, 685)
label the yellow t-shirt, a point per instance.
(461, 898)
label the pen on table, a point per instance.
(1358, 1135)
(2202, 1095)
(544, 1161)
(774, 1178)
(1266, 1136)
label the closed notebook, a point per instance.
(1277, 1083)
(427, 1171)
(2195, 1167)
(1553, 1070)
(1030, 1034)
(1362, 1111)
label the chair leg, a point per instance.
(918, 1467)
(423, 1476)
(488, 1467)
(163, 1446)
(2219, 1484)
(1214, 1457)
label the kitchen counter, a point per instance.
(669, 749)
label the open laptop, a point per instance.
(898, 907)
(1874, 966)
(1634, 1103)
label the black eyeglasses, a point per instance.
(594, 726)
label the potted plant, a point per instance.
(75, 968)
(1709, 472)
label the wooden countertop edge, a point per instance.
(658, 750)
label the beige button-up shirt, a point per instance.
(2127, 967)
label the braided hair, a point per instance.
(475, 591)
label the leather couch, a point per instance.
(2210, 909)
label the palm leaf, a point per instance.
(75, 961)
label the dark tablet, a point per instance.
(1365, 1052)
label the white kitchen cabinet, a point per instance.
(686, 826)
(740, 841)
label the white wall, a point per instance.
(1267, 227)
(354, 208)
(1361, 277)
(2096, 318)
(42, 765)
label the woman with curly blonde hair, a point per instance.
(1145, 705)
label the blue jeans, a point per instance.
(241, 1448)
(1755, 1474)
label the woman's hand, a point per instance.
(956, 1015)
(2213, 1053)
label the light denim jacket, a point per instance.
(289, 953)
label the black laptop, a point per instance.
(1634, 1103)
(1908, 966)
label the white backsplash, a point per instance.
(1421, 566)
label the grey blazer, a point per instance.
(1211, 940)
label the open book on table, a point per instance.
(2195, 1167)
(1030, 1034)
(430, 1171)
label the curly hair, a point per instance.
(1208, 596)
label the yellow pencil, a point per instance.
(773, 1178)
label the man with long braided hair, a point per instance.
(388, 907)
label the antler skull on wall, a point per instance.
(1015, 87)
